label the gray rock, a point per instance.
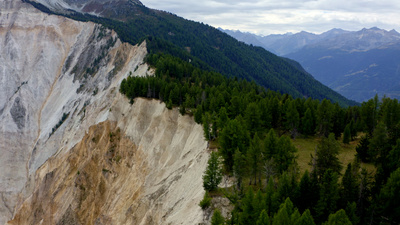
(18, 113)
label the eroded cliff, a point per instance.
(108, 179)
(60, 77)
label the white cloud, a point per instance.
(271, 16)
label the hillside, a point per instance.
(213, 50)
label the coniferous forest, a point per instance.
(253, 130)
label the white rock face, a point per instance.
(49, 99)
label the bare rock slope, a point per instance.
(74, 149)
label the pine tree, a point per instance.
(284, 215)
(217, 218)
(378, 144)
(253, 118)
(233, 137)
(207, 126)
(292, 119)
(239, 169)
(362, 149)
(389, 200)
(308, 123)
(254, 159)
(248, 216)
(339, 218)
(305, 219)
(347, 134)
(263, 219)
(285, 156)
(308, 192)
(329, 195)
(212, 176)
(324, 116)
(327, 155)
(350, 187)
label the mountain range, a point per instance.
(357, 64)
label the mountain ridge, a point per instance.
(357, 64)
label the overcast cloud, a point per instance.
(281, 16)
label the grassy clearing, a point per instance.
(307, 146)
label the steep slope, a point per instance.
(211, 49)
(139, 169)
(60, 77)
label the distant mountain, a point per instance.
(357, 64)
(283, 44)
(205, 46)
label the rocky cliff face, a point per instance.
(110, 162)
(143, 168)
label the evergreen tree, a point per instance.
(232, 137)
(263, 219)
(286, 214)
(305, 219)
(324, 116)
(222, 117)
(308, 192)
(308, 123)
(212, 176)
(239, 169)
(351, 211)
(248, 215)
(329, 195)
(389, 200)
(362, 149)
(378, 144)
(198, 114)
(253, 118)
(254, 159)
(271, 197)
(292, 119)
(217, 218)
(327, 155)
(270, 145)
(350, 187)
(347, 134)
(285, 156)
(339, 218)
(364, 202)
(337, 120)
(207, 126)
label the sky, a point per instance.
(264, 17)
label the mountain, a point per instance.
(283, 44)
(357, 64)
(213, 50)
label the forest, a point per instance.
(252, 131)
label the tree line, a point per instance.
(253, 127)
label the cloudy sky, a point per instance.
(265, 17)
